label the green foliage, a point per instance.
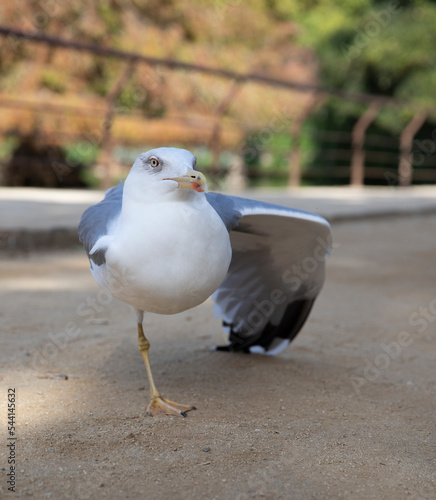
(266, 154)
(88, 178)
(98, 76)
(137, 96)
(110, 14)
(7, 147)
(81, 153)
(370, 46)
(377, 47)
(204, 158)
(53, 80)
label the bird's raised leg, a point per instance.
(158, 405)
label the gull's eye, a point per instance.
(154, 162)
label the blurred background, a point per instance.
(322, 105)
(265, 93)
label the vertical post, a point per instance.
(215, 146)
(296, 127)
(405, 166)
(215, 140)
(295, 154)
(357, 174)
(106, 142)
(237, 176)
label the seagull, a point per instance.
(163, 244)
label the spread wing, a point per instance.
(96, 222)
(276, 272)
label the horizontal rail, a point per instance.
(176, 64)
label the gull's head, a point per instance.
(164, 170)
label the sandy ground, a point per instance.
(347, 411)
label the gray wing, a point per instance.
(96, 222)
(276, 272)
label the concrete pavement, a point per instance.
(33, 218)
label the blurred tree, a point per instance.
(386, 48)
(38, 163)
(379, 47)
(241, 36)
(382, 47)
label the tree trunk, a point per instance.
(405, 166)
(357, 175)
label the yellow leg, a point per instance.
(158, 405)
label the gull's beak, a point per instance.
(192, 180)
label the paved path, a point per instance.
(346, 412)
(34, 218)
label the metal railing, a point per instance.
(360, 157)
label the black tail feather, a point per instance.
(291, 323)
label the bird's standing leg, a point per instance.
(158, 405)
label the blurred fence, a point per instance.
(356, 156)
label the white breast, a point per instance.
(166, 257)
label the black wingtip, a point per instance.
(230, 348)
(223, 348)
